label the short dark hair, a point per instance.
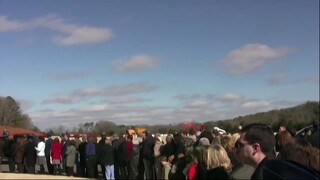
(262, 134)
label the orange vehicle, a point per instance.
(137, 131)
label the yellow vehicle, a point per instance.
(137, 131)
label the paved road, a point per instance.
(33, 176)
(4, 168)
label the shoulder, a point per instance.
(276, 168)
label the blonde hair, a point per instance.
(218, 157)
(227, 143)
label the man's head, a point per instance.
(66, 136)
(255, 143)
(103, 135)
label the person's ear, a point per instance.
(256, 148)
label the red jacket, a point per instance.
(192, 171)
(56, 150)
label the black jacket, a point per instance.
(31, 154)
(147, 148)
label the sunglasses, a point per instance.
(239, 144)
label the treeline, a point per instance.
(12, 115)
(293, 118)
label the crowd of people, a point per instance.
(254, 152)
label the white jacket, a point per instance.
(40, 148)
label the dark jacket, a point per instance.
(9, 148)
(167, 150)
(101, 152)
(109, 159)
(258, 172)
(201, 172)
(280, 169)
(48, 146)
(217, 173)
(147, 148)
(31, 154)
(115, 145)
(122, 154)
(82, 152)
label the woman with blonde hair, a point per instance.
(218, 163)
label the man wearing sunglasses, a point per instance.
(255, 147)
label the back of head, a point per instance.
(218, 157)
(227, 143)
(84, 138)
(206, 134)
(204, 141)
(73, 142)
(284, 137)
(169, 138)
(301, 151)
(262, 134)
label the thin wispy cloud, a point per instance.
(230, 97)
(200, 110)
(11, 25)
(136, 63)
(312, 79)
(86, 93)
(68, 33)
(68, 76)
(256, 104)
(251, 57)
(184, 97)
(277, 79)
(125, 100)
(61, 99)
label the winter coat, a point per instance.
(31, 154)
(20, 151)
(71, 155)
(56, 150)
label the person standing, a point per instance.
(9, 147)
(91, 157)
(19, 152)
(133, 163)
(147, 153)
(56, 152)
(255, 147)
(47, 151)
(100, 153)
(115, 144)
(41, 159)
(31, 156)
(1, 150)
(5, 133)
(65, 145)
(71, 157)
(78, 142)
(109, 160)
(81, 171)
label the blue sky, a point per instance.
(157, 62)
